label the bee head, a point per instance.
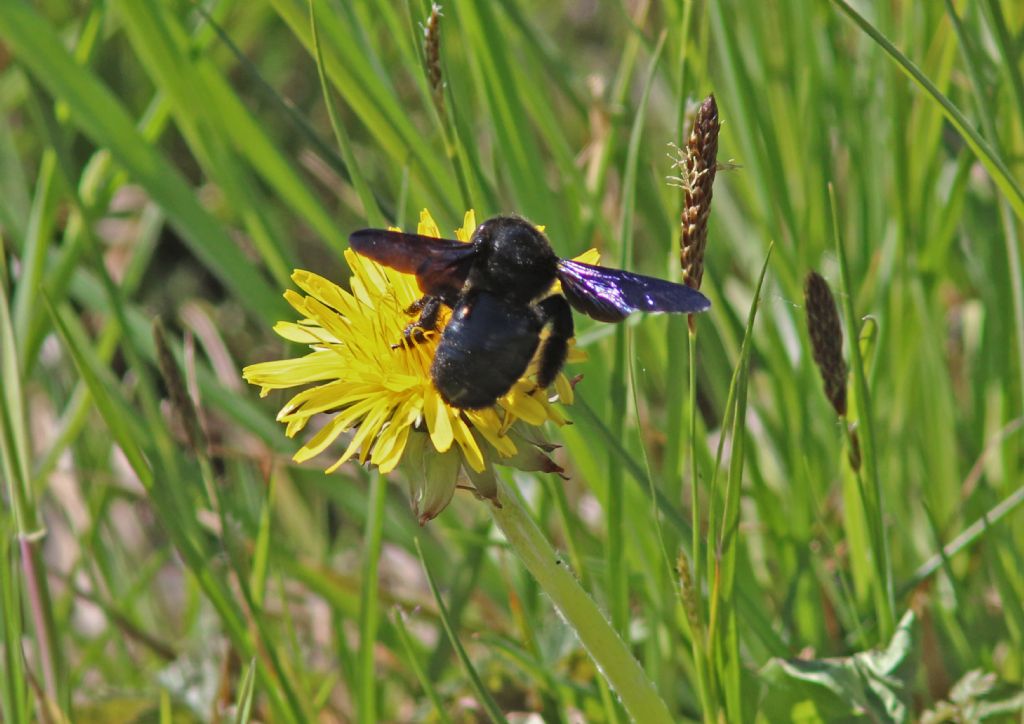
(515, 259)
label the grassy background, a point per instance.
(151, 166)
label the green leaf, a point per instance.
(872, 684)
(978, 696)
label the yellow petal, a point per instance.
(439, 424)
(386, 458)
(489, 425)
(353, 414)
(297, 301)
(333, 395)
(470, 450)
(427, 225)
(468, 227)
(552, 412)
(564, 389)
(302, 333)
(395, 433)
(315, 285)
(576, 354)
(367, 272)
(362, 440)
(389, 436)
(523, 405)
(295, 426)
(403, 288)
(319, 442)
(590, 256)
(314, 367)
(336, 325)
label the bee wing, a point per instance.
(610, 295)
(440, 265)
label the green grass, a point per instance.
(161, 161)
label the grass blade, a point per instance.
(371, 96)
(483, 696)
(412, 660)
(615, 507)
(602, 642)
(722, 627)
(243, 704)
(102, 117)
(369, 605)
(370, 209)
(871, 490)
(988, 115)
(988, 157)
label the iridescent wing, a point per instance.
(611, 295)
(440, 265)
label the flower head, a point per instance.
(382, 392)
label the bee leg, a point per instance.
(415, 332)
(417, 306)
(554, 310)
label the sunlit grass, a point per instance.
(148, 167)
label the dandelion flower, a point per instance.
(383, 394)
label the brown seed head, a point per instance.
(690, 596)
(698, 175)
(432, 51)
(826, 339)
(854, 451)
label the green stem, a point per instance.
(868, 476)
(695, 526)
(606, 648)
(698, 641)
(369, 601)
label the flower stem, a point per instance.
(606, 648)
(699, 643)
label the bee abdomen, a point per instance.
(485, 348)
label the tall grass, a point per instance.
(162, 159)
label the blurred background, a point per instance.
(175, 160)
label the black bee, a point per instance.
(499, 288)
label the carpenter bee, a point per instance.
(499, 288)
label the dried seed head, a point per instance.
(698, 166)
(854, 452)
(690, 599)
(432, 51)
(826, 339)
